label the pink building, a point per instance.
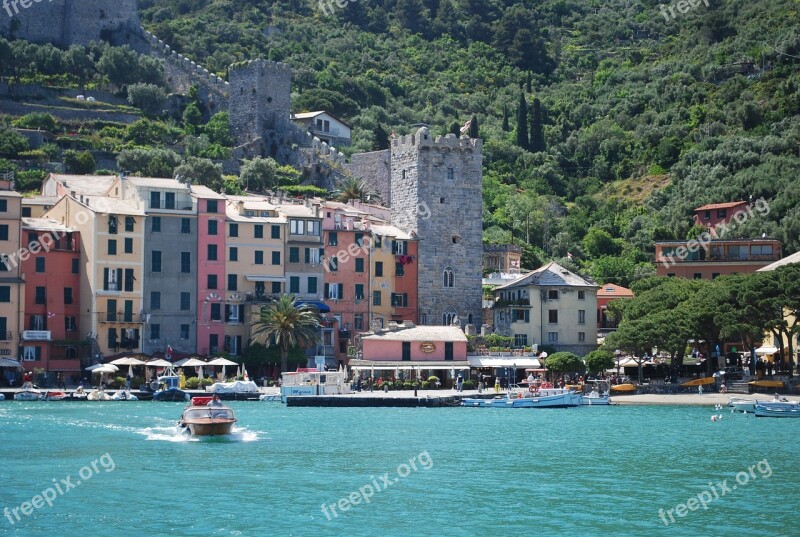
(717, 213)
(211, 214)
(426, 345)
(51, 338)
(606, 294)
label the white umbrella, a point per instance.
(200, 372)
(160, 362)
(191, 362)
(111, 368)
(766, 349)
(223, 362)
(128, 360)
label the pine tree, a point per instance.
(506, 126)
(473, 127)
(537, 131)
(522, 123)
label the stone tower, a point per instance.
(436, 188)
(71, 22)
(260, 104)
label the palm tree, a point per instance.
(285, 323)
(354, 188)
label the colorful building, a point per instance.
(717, 257)
(12, 284)
(428, 346)
(51, 334)
(718, 213)
(502, 258)
(605, 295)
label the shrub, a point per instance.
(398, 385)
(408, 385)
(426, 385)
(207, 381)
(469, 384)
(36, 120)
(118, 382)
(192, 383)
(82, 163)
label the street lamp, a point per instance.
(617, 353)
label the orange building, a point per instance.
(606, 294)
(718, 213)
(717, 257)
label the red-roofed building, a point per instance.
(605, 295)
(718, 213)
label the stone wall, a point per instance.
(375, 168)
(436, 191)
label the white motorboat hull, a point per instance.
(778, 410)
(124, 396)
(564, 400)
(602, 400)
(28, 395)
(743, 405)
(270, 398)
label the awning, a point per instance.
(766, 349)
(407, 366)
(259, 278)
(506, 361)
(321, 306)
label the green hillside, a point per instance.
(631, 119)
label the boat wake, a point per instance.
(176, 434)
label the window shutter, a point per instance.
(119, 279)
(341, 291)
(327, 291)
(105, 279)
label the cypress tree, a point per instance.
(455, 128)
(473, 127)
(537, 131)
(506, 126)
(522, 123)
(381, 138)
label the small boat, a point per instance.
(598, 395)
(623, 388)
(124, 395)
(766, 383)
(270, 398)
(210, 419)
(54, 396)
(170, 391)
(778, 409)
(740, 404)
(536, 396)
(98, 395)
(705, 381)
(28, 393)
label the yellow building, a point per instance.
(12, 286)
(254, 264)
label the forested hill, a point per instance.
(631, 114)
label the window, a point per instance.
(232, 313)
(155, 331)
(333, 264)
(333, 238)
(400, 247)
(334, 291)
(128, 245)
(211, 281)
(297, 227)
(213, 343)
(70, 323)
(359, 291)
(707, 215)
(155, 200)
(155, 300)
(581, 295)
(112, 338)
(76, 264)
(377, 241)
(112, 279)
(212, 227)
(698, 275)
(155, 224)
(169, 200)
(762, 249)
(184, 331)
(212, 252)
(713, 275)
(552, 316)
(232, 279)
(294, 284)
(294, 254)
(359, 238)
(722, 213)
(5, 293)
(68, 295)
(449, 174)
(112, 247)
(379, 269)
(33, 236)
(399, 300)
(520, 315)
(233, 254)
(38, 322)
(155, 261)
(448, 277)
(581, 316)
(128, 317)
(259, 260)
(581, 336)
(186, 225)
(276, 288)
(31, 354)
(552, 294)
(399, 269)
(552, 337)
(40, 264)
(186, 299)
(313, 228)
(520, 340)
(186, 262)
(216, 311)
(275, 232)
(41, 295)
(3, 232)
(312, 255)
(130, 224)
(211, 206)
(258, 231)
(376, 298)
(5, 263)
(312, 285)
(358, 321)
(276, 258)
(26, 211)
(3, 206)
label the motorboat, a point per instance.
(740, 404)
(124, 395)
(54, 396)
(778, 409)
(627, 387)
(169, 389)
(207, 417)
(536, 396)
(270, 398)
(28, 393)
(598, 395)
(98, 395)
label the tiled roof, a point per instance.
(788, 260)
(92, 185)
(44, 224)
(550, 275)
(420, 333)
(726, 205)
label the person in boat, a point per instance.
(79, 389)
(215, 402)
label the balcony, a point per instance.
(120, 317)
(6, 336)
(260, 297)
(36, 335)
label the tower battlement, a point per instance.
(423, 138)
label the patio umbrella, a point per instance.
(128, 360)
(191, 362)
(766, 349)
(223, 362)
(111, 367)
(158, 363)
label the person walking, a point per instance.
(460, 383)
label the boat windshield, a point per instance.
(208, 412)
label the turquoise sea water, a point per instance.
(585, 471)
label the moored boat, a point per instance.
(54, 396)
(623, 387)
(778, 409)
(536, 396)
(209, 419)
(124, 395)
(740, 404)
(598, 396)
(98, 395)
(170, 390)
(28, 393)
